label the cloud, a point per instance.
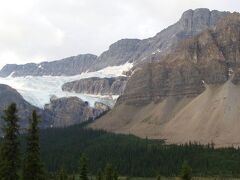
(39, 30)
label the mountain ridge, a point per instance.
(137, 51)
(190, 95)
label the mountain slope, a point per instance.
(191, 23)
(97, 86)
(9, 95)
(68, 111)
(137, 51)
(68, 66)
(212, 116)
(191, 95)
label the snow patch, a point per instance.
(11, 75)
(156, 52)
(116, 70)
(230, 72)
(40, 66)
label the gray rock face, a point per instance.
(9, 95)
(97, 86)
(191, 23)
(211, 57)
(190, 93)
(119, 53)
(68, 66)
(69, 111)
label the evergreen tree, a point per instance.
(128, 178)
(108, 173)
(10, 150)
(72, 177)
(83, 168)
(99, 175)
(159, 177)
(62, 175)
(186, 171)
(33, 168)
(115, 175)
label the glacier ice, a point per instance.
(38, 90)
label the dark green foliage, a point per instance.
(99, 175)
(186, 171)
(83, 168)
(128, 178)
(133, 156)
(72, 177)
(108, 172)
(10, 149)
(159, 177)
(115, 175)
(62, 174)
(33, 168)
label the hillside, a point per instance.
(191, 95)
(9, 95)
(68, 66)
(97, 86)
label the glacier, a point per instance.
(38, 90)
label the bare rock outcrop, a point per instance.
(137, 51)
(211, 57)
(191, 94)
(97, 86)
(68, 66)
(72, 110)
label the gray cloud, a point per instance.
(38, 30)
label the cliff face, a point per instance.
(97, 86)
(68, 66)
(192, 94)
(69, 111)
(119, 53)
(137, 51)
(209, 58)
(190, 24)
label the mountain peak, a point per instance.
(194, 21)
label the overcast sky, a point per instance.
(40, 30)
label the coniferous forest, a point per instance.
(133, 156)
(76, 151)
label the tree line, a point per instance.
(131, 156)
(30, 167)
(11, 166)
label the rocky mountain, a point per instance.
(137, 51)
(192, 94)
(68, 66)
(190, 24)
(60, 112)
(97, 86)
(72, 110)
(9, 95)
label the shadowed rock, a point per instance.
(72, 110)
(97, 86)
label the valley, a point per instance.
(163, 107)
